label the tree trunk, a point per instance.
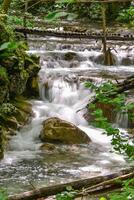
(6, 6)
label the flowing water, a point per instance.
(64, 68)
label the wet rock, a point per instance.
(47, 147)
(3, 141)
(12, 123)
(99, 59)
(3, 93)
(17, 84)
(74, 64)
(3, 84)
(127, 61)
(70, 56)
(23, 105)
(32, 87)
(56, 130)
(71, 78)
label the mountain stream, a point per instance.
(64, 69)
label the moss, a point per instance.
(6, 33)
(23, 105)
(2, 141)
(7, 109)
(3, 76)
(17, 68)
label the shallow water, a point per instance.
(63, 94)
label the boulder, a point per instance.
(56, 130)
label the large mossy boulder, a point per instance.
(56, 130)
(18, 70)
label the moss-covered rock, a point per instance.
(3, 140)
(17, 68)
(47, 147)
(3, 84)
(61, 131)
(6, 33)
(13, 116)
(18, 76)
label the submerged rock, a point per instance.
(60, 131)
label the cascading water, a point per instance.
(62, 94)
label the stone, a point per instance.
(56, 130)
(127, 61)
(47, 147)
(12, 123)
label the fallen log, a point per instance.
(70, 34)
(77, 185)
(106, 184)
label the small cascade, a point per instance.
(123, 52)
(122, 120)
(64, 69)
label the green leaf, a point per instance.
(69, 188)
(55, 15)
(4, 46)
(65, 1)
(102, 198)
(8, 45)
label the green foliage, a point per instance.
(3, 75)
(66, 195)
(102, 198)
(117, 101)
(7, 109)
(65, 1)
(9, 46)
(11, 50)
(6, 34)
(55, 15)
(126, 15)
(95, 11)
(3, 195)
(127, 192)
(19, 21)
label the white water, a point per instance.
(62, 94)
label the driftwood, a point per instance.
(77, 185)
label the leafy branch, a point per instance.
(120, 144)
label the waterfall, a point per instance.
(64, 69)
(122, 119)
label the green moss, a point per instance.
(7, 109)
(23, 105)
(6, 33)
(3, 76)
